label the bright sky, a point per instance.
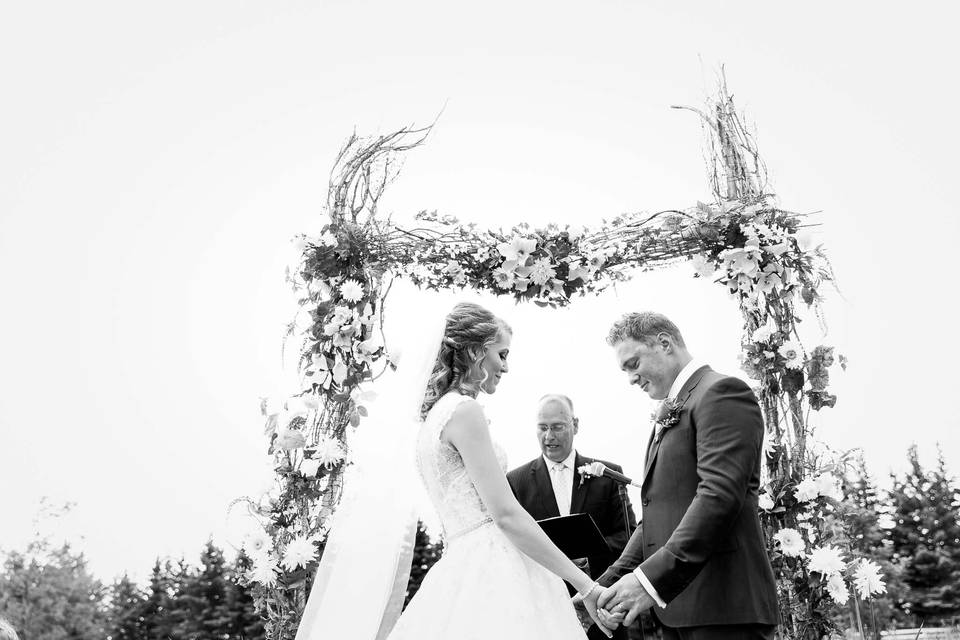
(157, 158)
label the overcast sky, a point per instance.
(158, 157)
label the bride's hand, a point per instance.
(591, 605)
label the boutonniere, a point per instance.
(668, 415)
(586, 472)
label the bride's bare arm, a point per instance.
(467, 430)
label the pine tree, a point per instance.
(425, 555)
(926, 540)
(126, 611)
(243, 621)
(49, 594)
(202, 598)
(155, 613)
(863, 508)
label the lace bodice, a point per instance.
(451, 490)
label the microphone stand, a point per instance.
(625, 509)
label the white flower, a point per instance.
(702, 266)
(765, 502)
(764, 333)
(328, 452)
(884, 521)
(574, 232)
(257, 544)
(453, 268)
(503, 278)
(521, 284)
(517, 248)
(579, 273)
(742, 261)
(807, 490)
(299, 553)
(837, 589)
(828, 487)
(290, 439)
(792, 353)
(867, 579)
(791, 543)
(327, 239)
(542, 271)
(339, 371)
(299, 243)
(310, 467)
(264, 572)
(826, 560)
(351, 290)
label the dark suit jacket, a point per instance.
(597, 496)
(701, 545)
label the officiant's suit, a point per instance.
(701, 547)
(598, 497)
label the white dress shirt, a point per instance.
(561, 477)
(675, 388)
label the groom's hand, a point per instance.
(627, 594)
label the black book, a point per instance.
(577, 535)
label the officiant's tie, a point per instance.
(560, 488)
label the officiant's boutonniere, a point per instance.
(585, 471)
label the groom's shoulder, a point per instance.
(719, 385)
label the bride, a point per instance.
(500, 576)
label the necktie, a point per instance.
(560, 489)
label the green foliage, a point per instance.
(926, 540)
(425, 555)
(47, 593)
(125, 615)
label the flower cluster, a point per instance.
(546, 266)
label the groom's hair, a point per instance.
(7, 632)
(643, 327)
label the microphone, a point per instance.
(600, 469)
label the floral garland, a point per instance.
(758, 252)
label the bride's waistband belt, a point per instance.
(472, 527)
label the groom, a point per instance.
(700, 560)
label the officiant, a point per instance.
(550, 485)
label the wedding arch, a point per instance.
(742, 240)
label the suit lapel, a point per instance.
(541, 478)
(579, 490)
(654, 447)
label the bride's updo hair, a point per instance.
(469, 330)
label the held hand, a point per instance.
(585, 620)
(626, 595)
(590, 601)
(611, 620)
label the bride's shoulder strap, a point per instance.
(446, 406)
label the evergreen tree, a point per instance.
(926, 540)
(155, 613)
(864, 509)
(243, 621)
(425, 555)
(49, 594)
(202, 598)
(125, 616)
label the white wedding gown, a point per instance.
(483, 587)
